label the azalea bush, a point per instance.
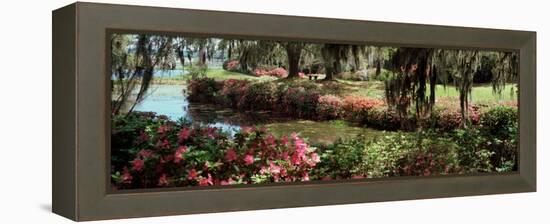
(259, 96)
(152, 151)
(329, 107)
(300, 102)
(231, 65)
(203, 89)
(275, 72)
(394, 154)
(357, 108)
(309, 101)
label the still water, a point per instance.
(170, 100)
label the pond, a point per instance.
(170, 100)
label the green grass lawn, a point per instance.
(480, 94)
(375, 89)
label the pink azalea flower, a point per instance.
(296, 159)
(165, 144)
(126, 176)
(284, 140)
(163, 181)
(248, 159)
(206, 181)
(178, 155)
(184, 134)
(305, 177)
(270, 140)
(230, 155)
(144, 153)
(192, 174)
(211, 132)
(163, 129)
(143, 137)
(246, 129)
(313, 160)
(138, 164)
(227, 182)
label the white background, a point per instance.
(25, 107)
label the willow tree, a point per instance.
(134, 59)
(408, 85)
(377, 55)
(417, 69)
(255, 53)
(506, 70)
(336, 55)
(463, 64)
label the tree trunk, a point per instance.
(229, 51)
(181, 56)
(293, 52)
(378, 68)
(202, 56)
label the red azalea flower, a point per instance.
(138, 164)
(178, 155)
(192, 174)
(163, 181)
(230, 155)
(184, 134)
(248, 159)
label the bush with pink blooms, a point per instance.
(231, 65)
(357, 108)
(151, 151)
(329, 107)
(276, 72)
(306, 100)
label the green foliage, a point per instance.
(394, 154)
(198, 71)
(500, 126)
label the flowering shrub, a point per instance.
(300, 102)
(233, 91)
(276, 72)
(448, 117)
(160, 153)
(394, 154)
(259, 96)
(357, 108)
(231, 65)
(203, 89)
(329, 107)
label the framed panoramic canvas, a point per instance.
(201, 111)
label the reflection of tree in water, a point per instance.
(210, 114)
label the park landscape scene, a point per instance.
(202, 111)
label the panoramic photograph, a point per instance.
(191, 111)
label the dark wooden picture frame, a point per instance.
(81, 117)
